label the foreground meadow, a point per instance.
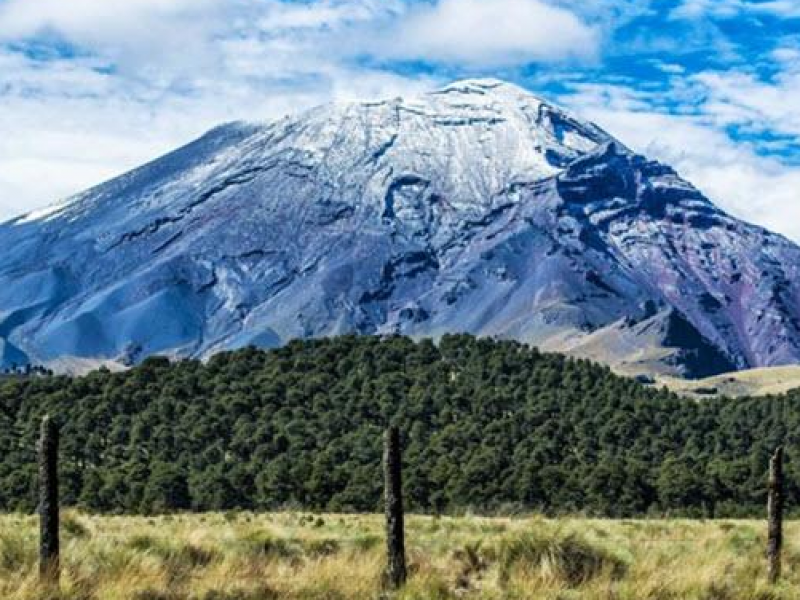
(243, 556)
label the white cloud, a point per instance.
(742, 99)
(102, 22)
(489, 33)
(164, 36)
(326, 14)
(692, 9)
(781, 8)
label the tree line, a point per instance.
(488, 426)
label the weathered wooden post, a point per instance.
(393, 494)
(49, 565)
(775, 516)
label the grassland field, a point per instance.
(753, 382)
(244, 556)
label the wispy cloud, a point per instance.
(733, 8)
(488, 33)
(743, 99)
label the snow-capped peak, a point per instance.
(489, 87)
(470, 139)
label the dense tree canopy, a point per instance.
(487, 425)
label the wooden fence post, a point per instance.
(775, 516)
(393, 495)
(49, 565)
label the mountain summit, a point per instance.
(475, 208)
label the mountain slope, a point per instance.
(477, 208)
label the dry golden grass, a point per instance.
(244, 556)
(754, 382)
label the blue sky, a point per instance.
(90, 88)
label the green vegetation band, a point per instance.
(489, 426)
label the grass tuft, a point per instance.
(73, 527)
(569, 557)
